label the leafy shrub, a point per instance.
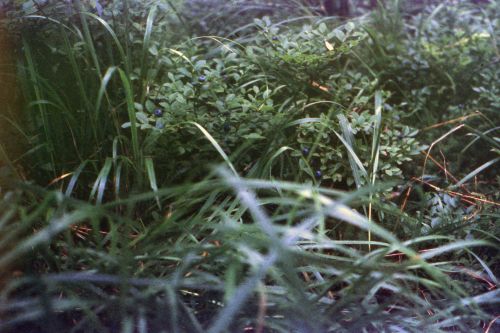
(250, 94)
(397, 142)
(223, 93)
(246, 95)
(431, 61)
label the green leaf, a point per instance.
(142, 117)
(339, 35)
(254, 136)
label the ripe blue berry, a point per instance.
(158, 112)
(274, 38)
(305, 151)
(318, 174)
(202, 78)
(227, 127)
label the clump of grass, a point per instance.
(211, 272)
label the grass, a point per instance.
(103, 235)
(282, 255)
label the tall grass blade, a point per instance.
(101, 181)
(375, 153)
(145, 50)
(152, 177)
(215, 145)
(476, 171)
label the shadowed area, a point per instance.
(9, 108)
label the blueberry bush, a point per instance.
(240, 93)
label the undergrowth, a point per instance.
(285, 174)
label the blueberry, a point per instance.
(227, 127)
(202, 78)
(318, 174)
(158, 112)
(160, 125)
(274, 38)
(305, 151)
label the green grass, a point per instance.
(124, 226)
(201, 255)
